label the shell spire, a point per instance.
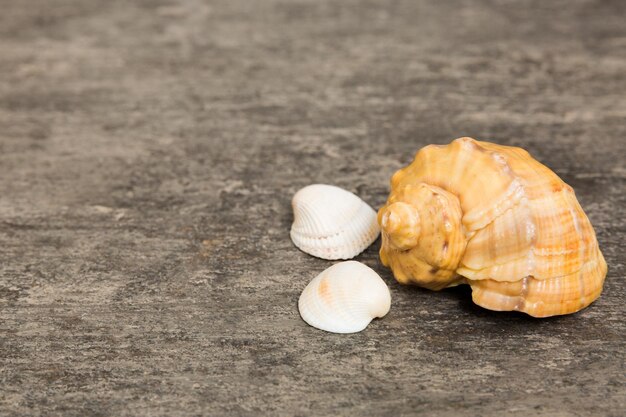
(495, 218)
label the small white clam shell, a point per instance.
(332, 223)
(344, 298)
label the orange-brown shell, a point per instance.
(496, 218)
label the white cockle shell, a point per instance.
(344, 298)
(332, 223)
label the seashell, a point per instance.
(332, 223)
(495, 218)
(344, 298)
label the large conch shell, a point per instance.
(497, 219)
(344, 298)
(332, 223)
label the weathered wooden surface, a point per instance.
(148, 153)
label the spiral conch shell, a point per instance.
(332, 223)
(344, 298)
(497, 219)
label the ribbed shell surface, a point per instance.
(344, 298)
(332, 223)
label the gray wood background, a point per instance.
(148, 154)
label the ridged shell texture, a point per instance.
(344, 298)
(332, 223)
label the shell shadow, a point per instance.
(464, 295)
